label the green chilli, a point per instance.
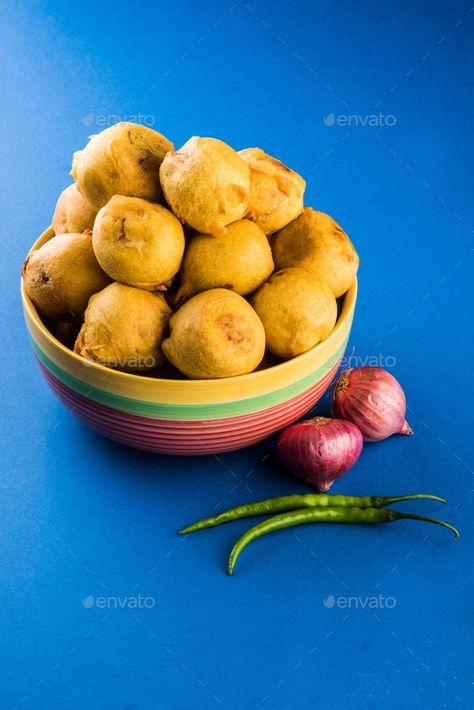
(294, 502)
(325, 515)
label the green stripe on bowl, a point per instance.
(213, 410)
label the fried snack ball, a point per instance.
(316, 243)
(124, 159)
(276, 192)
(215, 334)
(73, 213)
(206, 183)
(138, 242)
(297, 311)
(123, 328)
(62, 275)
(240, 259)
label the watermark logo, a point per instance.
(374, 120)
(346, 602)
(133, 602)
(134, 362)
(102, 120)
(379, 360)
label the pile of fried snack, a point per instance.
(203, 257)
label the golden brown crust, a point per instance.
(61, 276)
(72, 213)
(316, 243)
(124, 328)
(206, 184)
(124, 159)
(139, 243)
(276, 191)
(240, 259)
(297, 312)
(215, 334)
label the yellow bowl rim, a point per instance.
(346, 315)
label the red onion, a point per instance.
(373, 400)
(320, 450)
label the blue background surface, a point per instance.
(82, 516)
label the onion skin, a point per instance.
(320, 450)
(373, 400)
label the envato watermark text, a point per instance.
(134, 602)
(373, 120)
(102, 120)
(346, 602)
(380, 360)
(133, 363)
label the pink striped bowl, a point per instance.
(187, 416)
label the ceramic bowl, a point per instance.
(179, 416)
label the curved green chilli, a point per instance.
(294, 502)
(324, 515)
